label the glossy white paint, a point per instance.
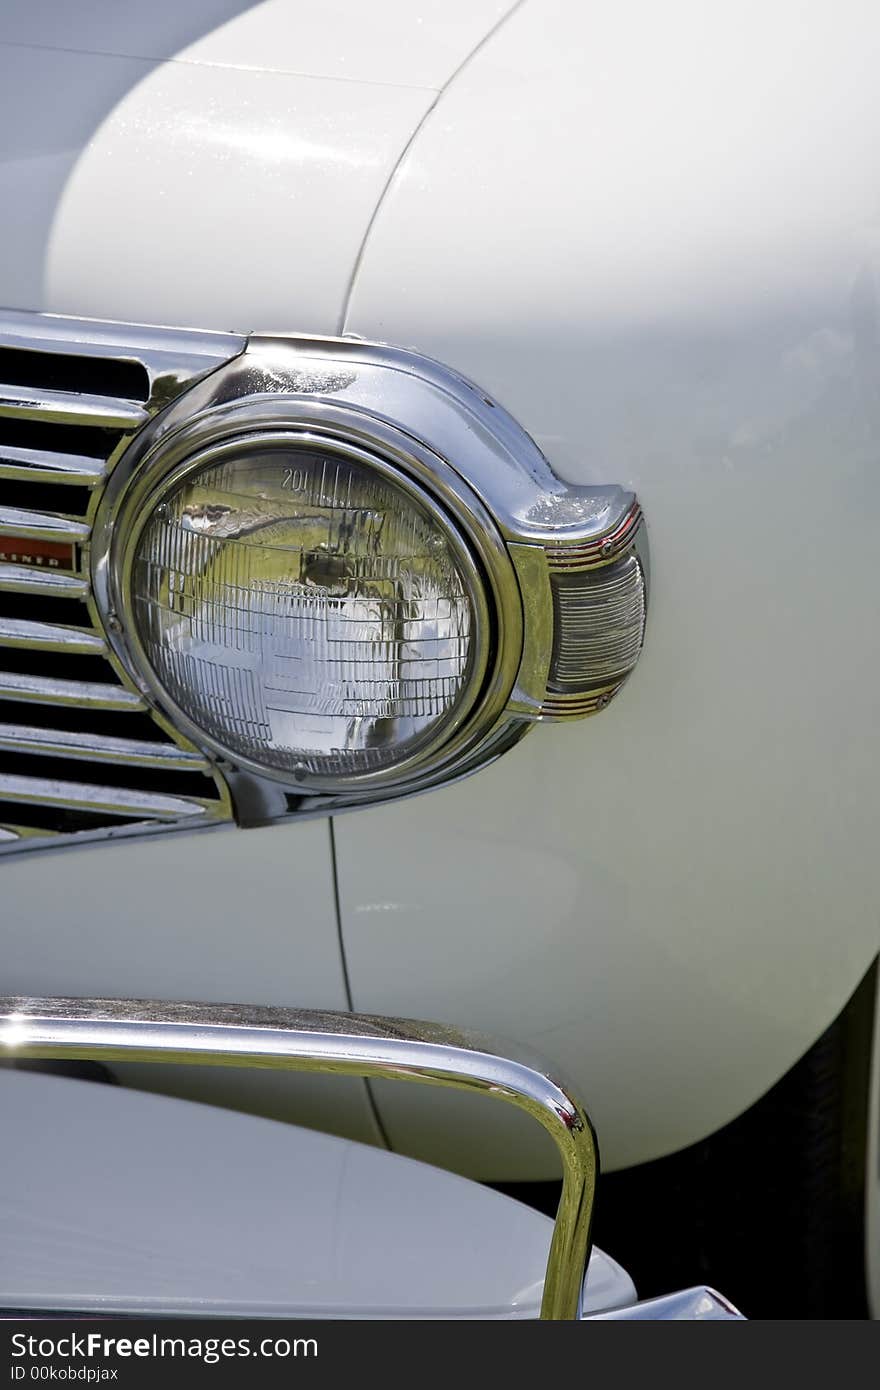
(163, 190)
(212, 915)
(214, 163)
(404, 43)
(661, 253)
(241, 1216)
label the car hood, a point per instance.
(217, 163)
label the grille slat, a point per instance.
(25, 579)
(74, 394)
(70, 408)
(47, 466)
(22, 738)
(47, 637)
(42, 526)
(43, 690)
(94, 798)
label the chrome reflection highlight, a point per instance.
(700, 1304)
(307, 611)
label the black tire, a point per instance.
(770, 1209)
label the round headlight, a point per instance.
(308, 607)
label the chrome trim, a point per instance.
(47, 637)
(112, 1030)
(45, 690)
(112, 801)
(69, 408)
(558, 706)
(251, 398)
(34, 579)
(43, 466)
(488, 452)
(42, 526)
(603, 549)
(60, 743)
(700, 1304)
(530, 563)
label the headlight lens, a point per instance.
(308, 611)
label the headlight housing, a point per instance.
(308, 608)
(343, 573)
(242, 578)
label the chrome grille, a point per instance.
(81, 752)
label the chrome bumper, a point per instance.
(690, 1305)
(108, 1030)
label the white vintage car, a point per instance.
(384, 388)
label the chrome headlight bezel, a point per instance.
(265, 426)
(513, 524)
